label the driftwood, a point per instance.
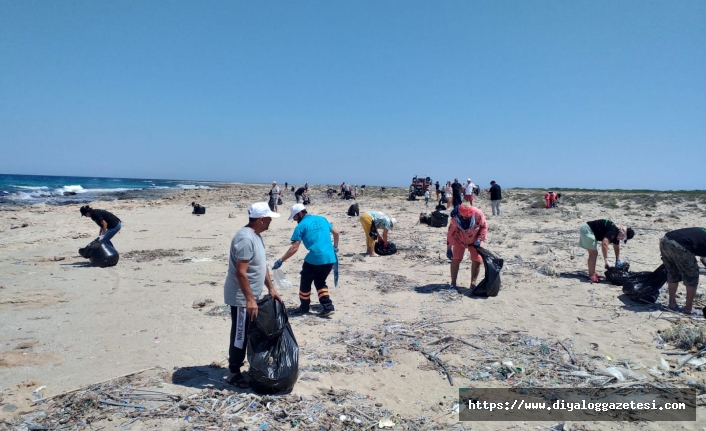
(439, 363)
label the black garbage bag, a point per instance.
(385, 251)
(645, 286)
(104, 256)
(493, 264)
(618, 273)
(439, 219)
(272, 350)
(88, 250)
(353, 210)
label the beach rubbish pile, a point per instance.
(645, 286)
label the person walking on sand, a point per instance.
(469, 189)
(426, 197)
(679, 249)
(457, 189)
(438, 192)
(274, 196)
(467, 230)
(495, 197)
(108, 223)
(375, 221)
(315, 232)
(606, 232)
(246, 278)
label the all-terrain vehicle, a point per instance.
(419, 186)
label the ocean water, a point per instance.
(54, 190)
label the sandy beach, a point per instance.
(66, 325)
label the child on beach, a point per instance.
(426, 198)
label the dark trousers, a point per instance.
(316, 274)
(236, 355)
(457, 200)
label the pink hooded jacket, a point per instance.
(457, 235)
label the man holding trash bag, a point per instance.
(315, 232)
(606, 232)
(109, 224)
(679, 249)
(467, 230)
(247, 275)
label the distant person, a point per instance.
(438, 192)
(247, 276)
(679, 249)
(555, 199)
(426, 197)
(457, 189)
(108, 223)
(606, 232)
(468, 191)
(274, 196)
(376, 221)
(362, 190)
(449, 195)
(315, 232)
(550, 199)
(301, 191)
(356, 192)
(495, 197)
(467, 230)
(330, 193)
(306, 187)
(286, 186)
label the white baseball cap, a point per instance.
(261, 210)
(469, 180)
(295, 209)
(394, 222)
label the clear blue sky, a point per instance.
(595, 94)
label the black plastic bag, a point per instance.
(353, 210)
(279, 201)
(101, 255)
(385, 251)
(425, 218)
(645, 286)
(272, 350)
(439, 219)
(493, 264)
(617, 274)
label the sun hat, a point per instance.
(393, 222)
(261, 210)
(295, 209)
(466, 210)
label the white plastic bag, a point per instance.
(280, 279)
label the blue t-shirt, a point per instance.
(315, 232)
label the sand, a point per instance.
(65, 324)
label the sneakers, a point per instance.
(594, 278)
(326, 313)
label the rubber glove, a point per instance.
(618, 262)
(335, 250)
(277, 264)
(449, 253)
(477, 244)
(100, 238)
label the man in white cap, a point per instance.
(315, 232)
(247, 275)
(468, 192)
(274, 196)
(374, 221)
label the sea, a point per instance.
(56, 190)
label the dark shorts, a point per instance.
(680, 263)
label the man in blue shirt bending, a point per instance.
(315, 232)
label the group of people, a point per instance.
(275, 194)
(678, 250)
(453, 194)
(551, 199)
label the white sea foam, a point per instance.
(191, 186)
(75, 189)
(31, 187)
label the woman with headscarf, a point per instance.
(467, 230)
(606, 232)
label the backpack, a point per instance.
(353, 210)
(439, 219)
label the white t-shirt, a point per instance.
(275, 190)
(469, 188)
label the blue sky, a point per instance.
(595, 94)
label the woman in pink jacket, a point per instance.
(467, 230)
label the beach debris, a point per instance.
(201, 302)
(386, 423)
(231, 215)
(685, 337)
(219, 311)
(150, 255)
